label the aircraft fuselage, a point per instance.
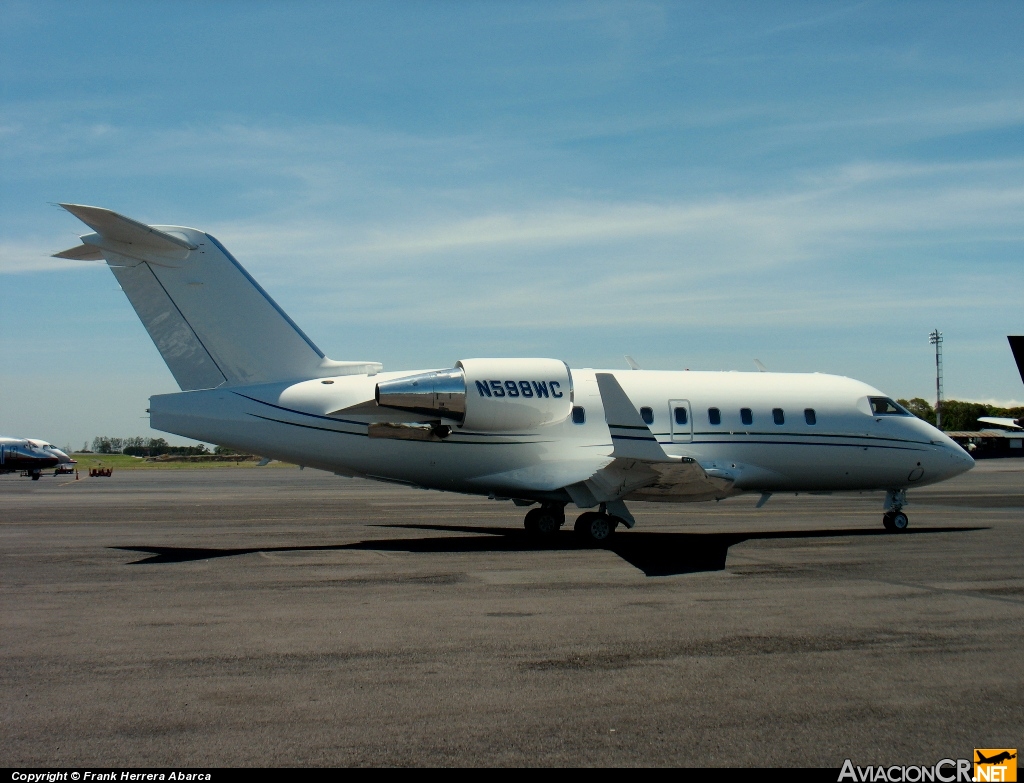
(825, 439)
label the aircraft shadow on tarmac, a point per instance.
(656, 554)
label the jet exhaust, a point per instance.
(441, 393)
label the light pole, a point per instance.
(935, 338)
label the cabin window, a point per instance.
(778, 416)
(746, 416)
(714, 416)
(680, 414)
(647, 415)
(809, 416)
(579, 415)
(883, 406)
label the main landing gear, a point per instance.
(894, 520)
(594, 527)
(545, 520)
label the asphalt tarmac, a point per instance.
(285, 617)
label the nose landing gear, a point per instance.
(894, 520)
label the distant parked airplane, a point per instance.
(1017, 346)
(49, 447)
(21, 454)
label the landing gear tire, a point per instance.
(544, 521)
(595, 528)
(582, 524)
(35, 475)
(895, 521)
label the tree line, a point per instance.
(958, 416)
(149, 447)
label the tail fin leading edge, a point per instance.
(212, 323)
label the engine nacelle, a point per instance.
(513, 394)
(492, 395)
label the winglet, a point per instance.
(631, 362)
(631, 437)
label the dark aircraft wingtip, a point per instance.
(1017, 346)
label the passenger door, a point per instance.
(682, 421)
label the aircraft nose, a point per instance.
(959, 460)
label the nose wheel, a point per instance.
(895, 521)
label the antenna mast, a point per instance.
(935, 338)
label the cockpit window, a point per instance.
(883, 406)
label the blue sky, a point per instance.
(814, 185)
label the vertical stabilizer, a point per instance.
(212, 323)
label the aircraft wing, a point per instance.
(1012, 423)
(631, 437)
(641, 469)
(1017, 346)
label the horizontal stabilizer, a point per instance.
(631, 437)
(81, 253)
(118, 228)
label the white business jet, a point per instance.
(528, 430)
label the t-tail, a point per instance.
(211, 321)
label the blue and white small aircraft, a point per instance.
(30, 456)
(528, 430)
